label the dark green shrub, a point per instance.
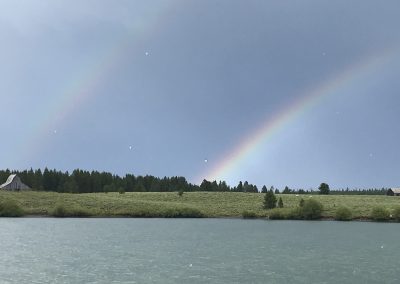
(76, 211)
(380, 213)
(121, 190)
(343, 214)
(311, 210)
(396, 214)
(269, 200)
(301, 203)
(294, 214)
(324, 188)
(249, 215)
(180, 193)
(59, 211)
(184, 212)
(9, 208)
(276, 214)
(280, 202)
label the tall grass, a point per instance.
(343, 214)
(190, 204)
(396, 214)
(9, 208)
(61, 210)
(380, 213)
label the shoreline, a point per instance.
(324, 219)
(213, 205)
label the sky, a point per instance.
(282, 93)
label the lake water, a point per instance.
(45, 250)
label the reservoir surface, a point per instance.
(122, 250)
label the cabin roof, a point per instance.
(395, 189)
(9, 180)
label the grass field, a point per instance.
(205, 204)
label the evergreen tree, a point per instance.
(264, 189)
(324, 188)
(280, 202)
(222, 186)
(255, 189)
(286, 190)
(239, 188)
(269, 200)
(206, 185)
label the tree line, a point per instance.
(325, 190)
(81, 181)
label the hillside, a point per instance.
(209, 204)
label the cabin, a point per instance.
(393, 192)
(14, 183)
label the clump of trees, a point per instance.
(324, 188)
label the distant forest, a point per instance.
(81, 181)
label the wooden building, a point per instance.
(393, 192)
(14, 183)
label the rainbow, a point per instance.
(87, 81)
(308, 99)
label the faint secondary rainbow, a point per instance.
(309, 98)
(88, 80)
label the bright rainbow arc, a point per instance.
(308, 100)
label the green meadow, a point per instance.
(190, 204)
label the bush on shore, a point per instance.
(396, 214)
(280, 202)
(380, 213)
(311, 210)
(185, 212)
(176, 212)
(249, 214)
(278, 214)
(343, 214)
(60, 210)
(9, 208)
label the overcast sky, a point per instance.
(172, 87)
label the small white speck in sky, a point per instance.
(130, 147)
(147, 53)
(55, 131)
(205, 160)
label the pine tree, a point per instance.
(269, 200)
(239, 188)
(280, 202)
(264, 189)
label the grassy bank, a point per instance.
(193, 204)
